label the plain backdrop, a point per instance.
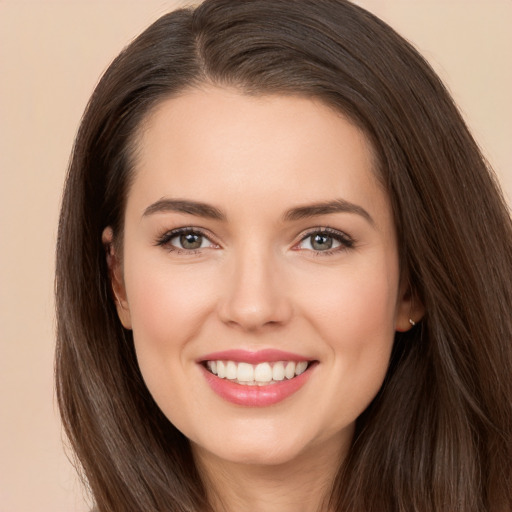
(51, 56)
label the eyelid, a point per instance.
(346, 241)
(164, 239)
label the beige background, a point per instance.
(51, 55)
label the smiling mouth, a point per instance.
(261, 374)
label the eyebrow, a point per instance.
(184, 206)
(327, 208)
(208, 211)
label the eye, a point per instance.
(189, 241)
(326, 240)
(185, 240)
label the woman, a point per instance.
(284, 274)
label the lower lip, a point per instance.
(256, 396)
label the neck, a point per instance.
(301, 485)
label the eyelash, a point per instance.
(164, 240)
(346, 242)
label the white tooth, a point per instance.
(245, 372)
(212, 366)
(278, 371)
(263, 373)
(289, 371)
(230, 370)
(221, 369)
(301, 367)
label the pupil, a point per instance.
(321, 242)
(191, 241)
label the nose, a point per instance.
(255, 293)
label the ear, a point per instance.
(410, 309)
(116, 278)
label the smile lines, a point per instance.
(257, 375)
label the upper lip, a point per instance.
(268, 355)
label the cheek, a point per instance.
(163, 299)
(354, 316)
(353, 306)
(359, 331)
(167, 311)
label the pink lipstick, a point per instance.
(256, 379)
(261, 356)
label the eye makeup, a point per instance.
(325, 241)
(321, 241)
(191, 239)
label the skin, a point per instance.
(257, 282)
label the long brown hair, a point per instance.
(438, 435)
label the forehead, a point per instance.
(217, 143)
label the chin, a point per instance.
(254, 448)
(273, 456)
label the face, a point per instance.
(259, 273)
